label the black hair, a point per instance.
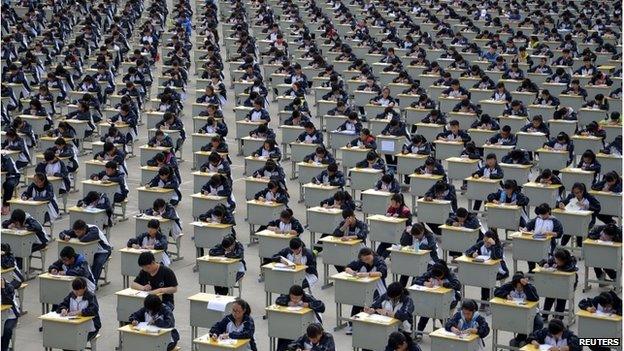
(469, 305)
(146, 258)
(79, 225)
(79, 283)
(67, 252)
(295, 243)
(296, 290)
(152, 303)
(542, 209)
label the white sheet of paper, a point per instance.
(142, 294)
(57, 315)
(544, 347)
(387, 145)
(217, 305)
(226, 341)
(483, 257)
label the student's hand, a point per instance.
(509, 297)
(369, 310)
(472, 331)
(135, 323)
(591, 309)
(362, 274)
(273, 228)
(325, 205)
(456, 224)
(24, 197)
(94, 177)
(261, 199)
(561, 206)
(147, 287)
(135, 246)
(475, 254)
(224, 336)
(73, 313)
(64, 312)
(428, 284)
(524, 281)
(535, 343)
(428, 198)
(495, 202)
(455, 330)
(61, 273)
(54, 271)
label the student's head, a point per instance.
(579, 190)
(418, 231)
(454, 125)
(314, 332)
(366, 255)
(228, 241)
(605, 300)
(439, 270)
(270, 165)
(562, 257)
(164, 173)
(80, 228)
(110, 168)
(40, 179)
(537, 121)
(309, 127)
(153, 226)
(490, 238)
(68, 255)
(147, 262)
(468, 309)
(296, 245)
(556, 328)
(320, 152)
(490, 160)
(49, 156)
(387, 178)
(589, 156)
(395, 291)
(398, 341)
(517, 281)
(286, 215)
(158, 205)
(371, 156)
(347, 214)
(510, 186)
(18, 217)
(611, 178)
(397, 201)
(79, 286)
(563, 138)
(295, 293)
(152, 303)
(543, 210)
(332, 168)
(240, 309)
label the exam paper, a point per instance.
(58, 316)
(227, 342)
(218, 305)
(379, 318)
(142, 294)
(387, 145)
(544, 347)
(483, 257)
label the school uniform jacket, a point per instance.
(379, 265)
(335, 180)
(496, 173)
(378, 164)
(567, 339)
(427, 243)
(471, 221)
(310, 260)
(294, 225)
(314, 304)
(62, 171)
(92, 309)
(423, 149)
(326, 343)
(346, 205)
(280, 196)
(405, 307)
(43, 194)
(118, 178)
(449, 195)
(529, 291)
(495, 253)
(592, 302)
(32, 225)
(478, 322)
(449, 282)
(360, 229)
(168, 184)
(326, 160)
(238, 253)
(393, 187)
(80, 268)
(163, 319)
(316, 137)
(93, 233)
(245, 331)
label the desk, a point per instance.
(338, 139)
(307, 169)
(610, 162)
(610, 203)
(201, 139)
(499, 150)
(511, 316)
(315, 193)
(527, 247)
(12, 154)
(434, 211)
(432, 302)
(558, 285)
(428, 130)
(557, 126)
(204, 343)
(254, 185)
(447, 149)
(519, 173)
(87, 249)
(602, 254)
(582, 143)
(53, 289)
(322, 220)
(289, 135)
(270, 242)
(94, 167)
(208, 234)
(481, 136)
(409, 262)
(148, 173)
(254, 163)
(64, 333)
(384, 229)
(217, 271)
(338, 252)
(364, 178)
(371, 331)
(148, 152)
(354, 291)
(147, 196)
(375, 201)
(251, 144)
(201, 178)
(457, 239)
(278, 279)
(574, 223)
(539, 193)
(21, 242)
(202, 203)
(593, 325)
(503, 216)
(37, 209)
(530, 141)
(352, 155)
(479, 274)
(588, 115)
(460, 167)
(287, 322)
(134, 339)
(128, 302)
(480, 188)
(202, 317)
(390, 144)
(447, 341)
(129, 262)
(103, 187)
(420, 184)
(260, 212)
(407, 163)
(298, 151)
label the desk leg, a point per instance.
(293, 171)
(312, 240)
(586, 287)
(202, 288)
(300, 193)
(27, 266)
(338, 316)
(326, 282)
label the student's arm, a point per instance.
(503, 291)
(316, 305)
(531, 292)
(405, 313)
(166, 319)
(161, 242)
(483, 329)
(247, 332)
(64, 305)
(138, 316)
(92, 308)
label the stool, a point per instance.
(123, 206)
(178, 245)
(93, 343)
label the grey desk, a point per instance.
(217, 271)
(602, 254)
(441, 340)
(364, 178)
(287, 322)
(499, 150)
(354, 291)
(530, 141)
(539, 193)
(21, 242)
(202, 317)
(259, 212)
(202, 203)
(315, 193)
(87, 249)
(371, 331)
(254, 186)
(503, 216)
(129, 262)
(208, 234)
(407, 163)
(519, 173)
(384, 229)
(147, 196)
(461, 167)
(446, 149)
(552, 159)
(434, 211)
(480, 188)
(352, 155)
(527, 247)
(593, 325)
(64, 333)
(136, 340)
(574, 223)
(409, 262)
(201, 178)
(128, 302)
(270, 242)
(558, 285)
(322, 220)
(279, 280)
(375, 202)
(610, 203)
(53, 289)
(420, 184)
(511, 316)
(479, 274)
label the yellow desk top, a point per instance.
(320, 186)
(257, 179)
(602, 243)
(338, 240)
(211, 225)
(5, 307)
(155, 189)
(375, 319)
(604, 193)
(553, 272)
(498, 146)
(528, 236)
(534, 134)
(556, 211)
(7, 270)
(609, 317)
(272, 234)
(218, 259)
(288, 309)
(503, 206)
(513, 165)
(466, 259)
(387, 219)
(462, 160)
(409, 250)
(52, 317)
(377, 192)
(426, 176)
(542, 185)
(349, 277)
(205, 297)
(157, 148)
(449, 142)
(96, 162)
(600, 154)
(206, 340)
(264, 203)
(76, 241)
(433, 201)
(132, 250)
(204, 174)
(297, 268)
(355, 148)
(129, 292)
(133, 330)
(106, 183)
(432, 290)
(575, 170)
(365, 170)
(20, 232)
(329, 210)
(442, 333)
(208, 197)
(413, 156)
(511, 303)
(28, 202)
(483, 180)
(311, 164)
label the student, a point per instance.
(504, 137)
(589, 163)
(286, 224)
(418, 145)
(72, 264)
(555, 335)
(579, 199)
(11, 180)
(110, 173)
(609, 233)
(41, 190)
(160, 139)
(269, 149)
(517, 157)
(454, 133)
(315, 339)
(217, 164)
(401, 341)
(9, 323)
(236, 325)
(432, 167)
(520, 289)
(12, 141)
(156, 278)
(606, 302)
(397, 209)
(438, 275)
(152, 239)
(561, 142)
(492, 248)
(331, 176)
(166, 179)
(310, 135)
(352, 125)
(319, 156)
(419, 238)
(561, 260)
(365, 140)
(160, 208)
(297, 253)
(368, 264)
(218, 185)
(110, 152)
(537, 125)
(442, 190)
(230, 248)
(20, 220)
(158, 313)
(271, 170)
(341, 199)
(87, 233)
(273, 193)
(351, 228)
(490, 170)
(544, 224)
(395, 303)
(82, 303)
(510, 194)
(52, 166)
(388, 183)
(468, 321)
(298, 298)
(372, 161)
